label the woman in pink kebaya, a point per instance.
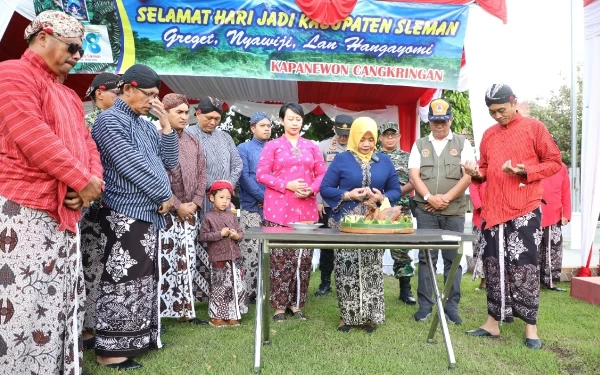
(291, 168)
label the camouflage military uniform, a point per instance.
(402, 261)
(90, 118)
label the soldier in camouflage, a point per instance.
(389, 138)
(103, 93)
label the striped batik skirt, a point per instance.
(41, 294)
(127, 323)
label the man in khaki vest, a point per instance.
(439, 180)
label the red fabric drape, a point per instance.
(326, 12)
(587, 2)
(407, 116)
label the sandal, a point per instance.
(279, 318)
(300, 315)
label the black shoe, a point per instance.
(533, 343)
(324, 289)
(480, 332)
(405, 293)
(368, 328)
(421, 315)
(558, 289)
(89, 344)
(453, 318)
(345, 328)
(126, 365)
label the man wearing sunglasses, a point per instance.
(137, 195)
(49, 169)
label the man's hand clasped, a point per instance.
(74, 200)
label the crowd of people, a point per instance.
(108, 225)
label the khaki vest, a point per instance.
(441, 173)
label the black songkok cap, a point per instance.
(103, 81)
(208, 105)
(140, 76)
(499, 93)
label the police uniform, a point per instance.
(403, 268)
(330, 148)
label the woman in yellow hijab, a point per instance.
(354, 176)
(362, 132)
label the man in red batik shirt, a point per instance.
(49, 169)
(516, 154)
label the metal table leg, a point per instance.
(440, 307)
(259, 309)
(266, 276)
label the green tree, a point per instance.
(316, 127)
(462, 124)
(555, 113)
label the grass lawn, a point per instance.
(568, 328)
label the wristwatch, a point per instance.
(426, 197)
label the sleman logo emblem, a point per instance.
(454, 152)
(425, 153)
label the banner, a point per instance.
(381, 42)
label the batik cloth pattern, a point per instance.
(478, 271)
(290, 275)
(92, 253)
(250, 249)
(551, 254)
(510, 263)
(228, 300)
(359, 282)
(127, 306)
(42, 294)
(177, 265)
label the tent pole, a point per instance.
(574, 87)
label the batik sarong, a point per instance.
(478, 271)
(228, 300)
(91, 257)
(550, 255)
(250, 249)
(359, 284)
(290, 275)
(127, 306)
(178, 242)
(510, 262)
(41, 296)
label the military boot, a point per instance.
(324, 288)
(405, 293)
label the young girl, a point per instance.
(221, 230)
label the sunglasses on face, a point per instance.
(149, 95)
(73, 48)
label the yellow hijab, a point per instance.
(359, 127)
